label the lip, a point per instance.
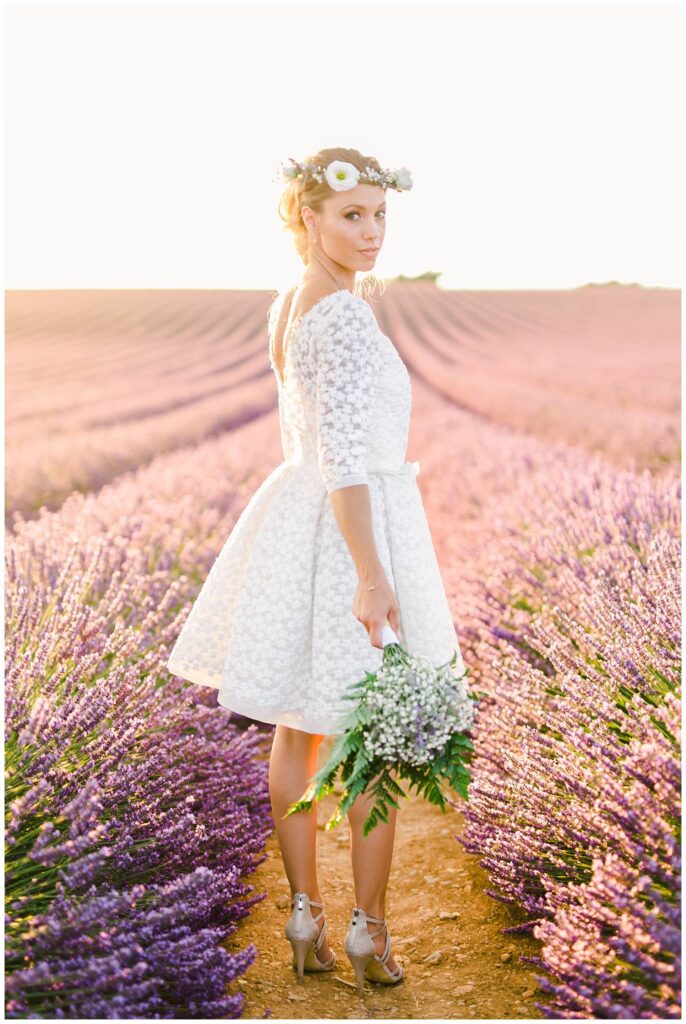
(370, 252)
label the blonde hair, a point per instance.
(307, 191)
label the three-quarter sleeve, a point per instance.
(348, 362)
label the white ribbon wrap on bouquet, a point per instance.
(388, 635)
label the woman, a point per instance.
(332, 545)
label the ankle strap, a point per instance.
(374, 920)
(313, 903)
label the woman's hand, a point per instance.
(373, 607)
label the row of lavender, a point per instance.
(136, 806)
(564, 579)
(575, 801)
(566, 594)
(180, 366)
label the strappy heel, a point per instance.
(367, 963)
(305, 937)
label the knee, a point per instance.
(298, 739)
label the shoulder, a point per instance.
(342, 310)
(274, 310)
(346, 336)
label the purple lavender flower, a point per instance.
(135, 806)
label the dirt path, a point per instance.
(478, 974)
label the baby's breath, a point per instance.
(414, 710)
(410, 718)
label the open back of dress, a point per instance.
(272, 627)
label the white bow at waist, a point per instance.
(407, 469)
(410, 469)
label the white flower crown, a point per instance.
(342, 175)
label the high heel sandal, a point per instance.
(305, 937)
(361, 950)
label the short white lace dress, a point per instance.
(272, 627)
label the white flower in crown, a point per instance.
(403, 179)
(288, 173)
(342, 175)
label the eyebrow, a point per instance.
(360, 206)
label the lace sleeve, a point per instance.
(348, 359)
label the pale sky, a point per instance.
(142, 141)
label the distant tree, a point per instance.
(607, 284)
(428, 275)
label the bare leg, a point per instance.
(292, 763)
(371, 859)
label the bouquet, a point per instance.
(411, 719)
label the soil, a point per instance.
(478, 973)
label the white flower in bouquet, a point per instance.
(415, 709)
(410, 718)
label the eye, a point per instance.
(355, 213)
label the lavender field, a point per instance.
(138, 425)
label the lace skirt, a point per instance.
(272, 627)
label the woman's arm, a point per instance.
(348, 363)
(352, 508)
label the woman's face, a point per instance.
(351, 222)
